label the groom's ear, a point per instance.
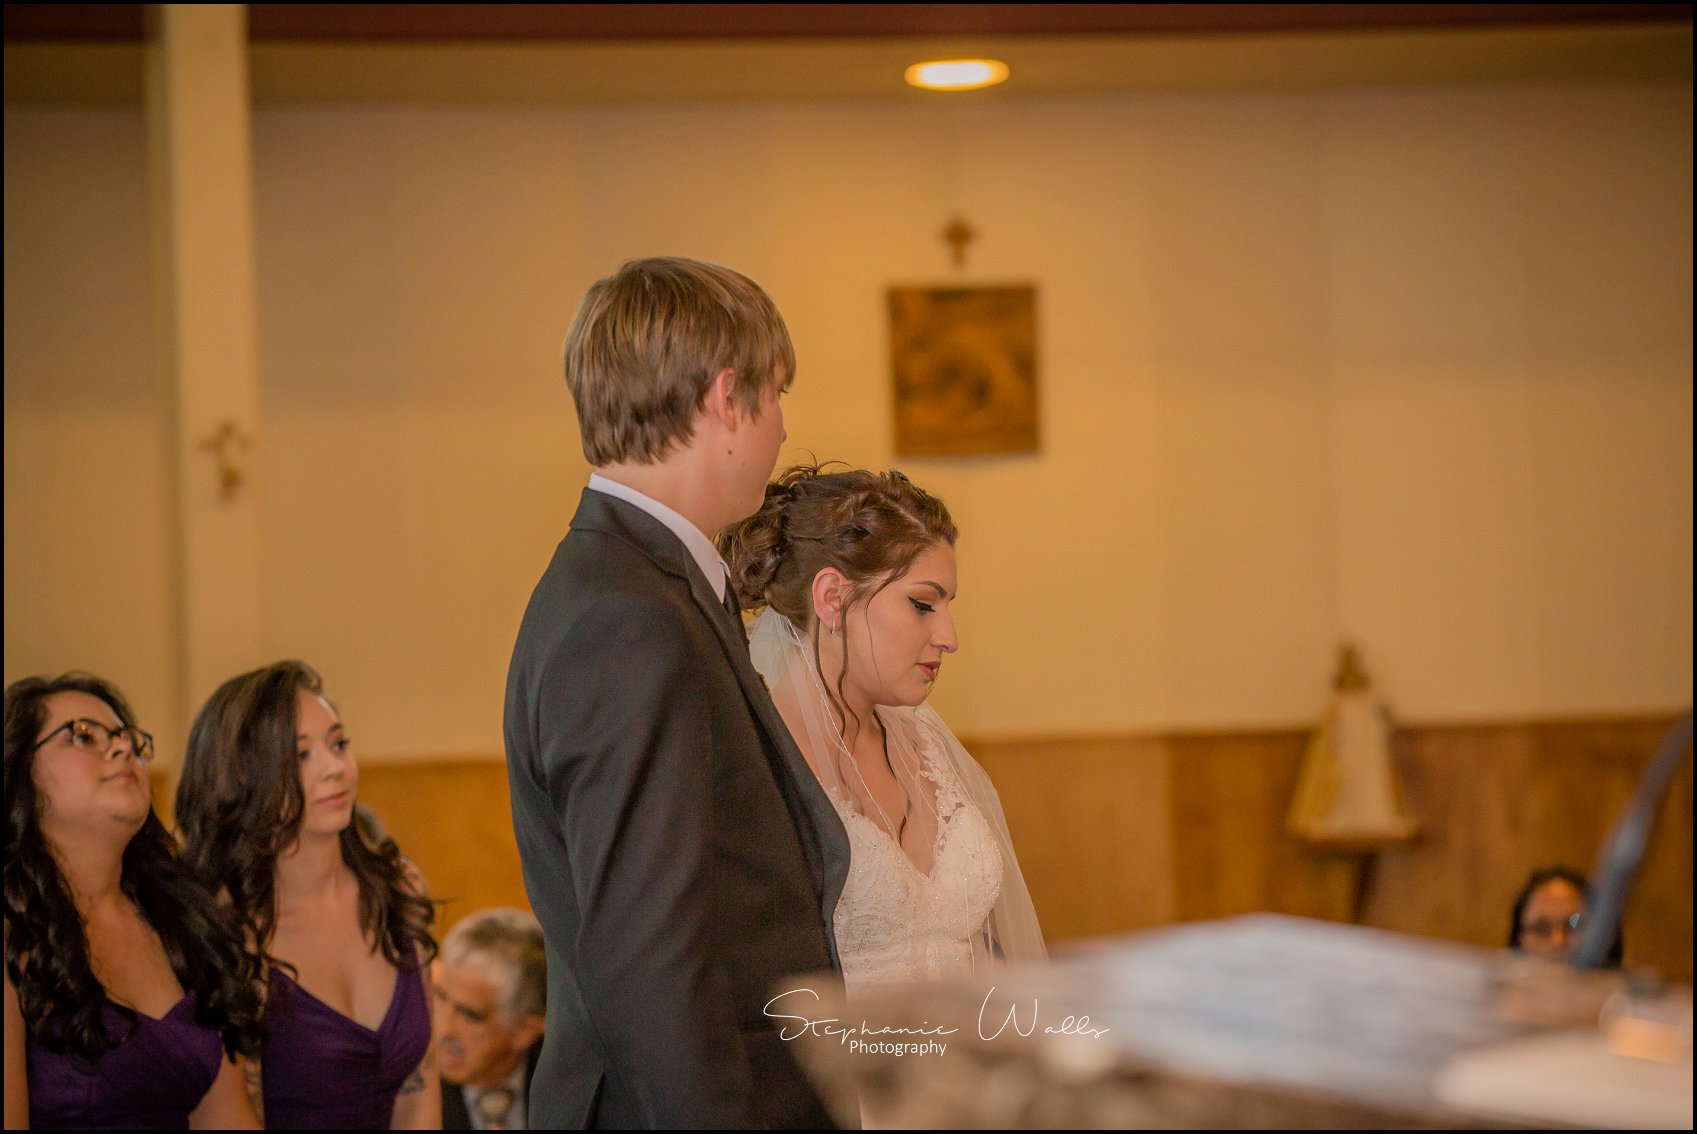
(830, 594)
(721, 402)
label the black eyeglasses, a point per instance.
(1546, 927)
(92, 736)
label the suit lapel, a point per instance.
(824, 842)
(823, 839)
(455, 1116)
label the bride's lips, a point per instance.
(336, 800)
(931, 669)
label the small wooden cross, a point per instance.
(228, 436)
(959, 234)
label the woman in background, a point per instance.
(856, 571)
(1550, 911)
(268, 811)
(129, 995)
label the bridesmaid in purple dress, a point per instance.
(267, 809)
(127, 983)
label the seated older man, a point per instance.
(491, 996)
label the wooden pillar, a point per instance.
(200, 168)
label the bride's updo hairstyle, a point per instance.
(869, 526)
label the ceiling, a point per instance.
(446, 22)
(92, 54)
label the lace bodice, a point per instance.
(894, 924)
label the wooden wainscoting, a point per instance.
(454, 819)
(1501, 800)
(1122, 833)
(1131, 832)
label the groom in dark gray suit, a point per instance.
(679, 853)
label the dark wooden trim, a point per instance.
(1131, 737)
(116, 23)
(520, 22)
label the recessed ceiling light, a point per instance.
(957, 74)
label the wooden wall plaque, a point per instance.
(964, 361)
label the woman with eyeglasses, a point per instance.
(129, 995)
(1550, 911)
(267, 807)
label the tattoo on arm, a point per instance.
(415, 1081)
(255, 1088)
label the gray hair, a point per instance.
(507, 942)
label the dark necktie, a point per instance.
(734, 609)
(493, 1106)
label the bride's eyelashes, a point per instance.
(922, 607)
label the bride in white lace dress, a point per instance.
(856, 575)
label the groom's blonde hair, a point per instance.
(647, 342)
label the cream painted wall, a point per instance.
(1413, 366)
(87, 541)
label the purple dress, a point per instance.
(323, 1071)
(149, 1081)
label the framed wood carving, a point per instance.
(964, 360)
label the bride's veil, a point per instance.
(784, 657)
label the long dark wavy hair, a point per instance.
(47, 954)
(240, 805)
(869, 526)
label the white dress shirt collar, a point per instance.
(701, 548)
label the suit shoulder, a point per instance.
(588, 603)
